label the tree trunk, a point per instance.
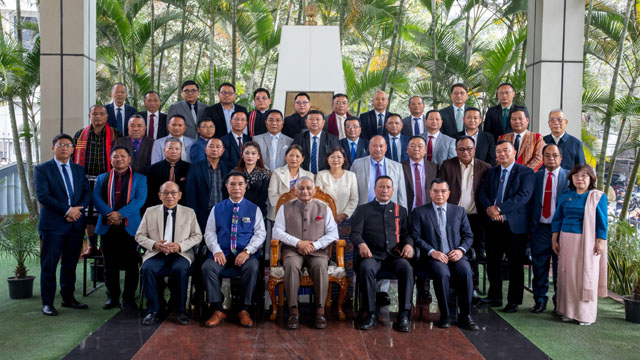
(212, 77)
(289, 12)
(164, 39)
(612, 161)
(434, 21)
(181, 57)
(153, 44)
(467, 45)
(234, 41)
(19, 23)
(195, 73)
(394, 38)
(343, 5)
(28, 135)
(26, 194)
(395, 66)
(587, 29)
(629, 192)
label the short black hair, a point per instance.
(470, 108)
(417, 137)
(62, 136)
(151, 92)
(315, 111)
(438, 181)
(339, 95)
(500, 142)
(522, 108)
(431, 111)
(506, 84)
(465, 137)
(239, 112)
(95, 106)
(179, 117)
(381, 177)
(120, 147)
(189, 82)
(275, 111)
(458, 85)
(205, 120)
(352, 118)
(392, 115)
(119, 83)
(226, 84)
(302, 94)
(256, 91)
(234, 173)
(549, 145)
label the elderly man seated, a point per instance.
(305, 227)
(168, 232)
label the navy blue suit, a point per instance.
(232, 153)
(571, 150)
(404, 142)
(60, 238)
(198, 188)
(112, 120)
(362, 149)
(369, 123)
(196, 152)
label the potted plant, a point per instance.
(632, 302)
(19, 239)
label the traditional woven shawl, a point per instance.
(83, 142)
(588, 243)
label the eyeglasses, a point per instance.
(551, 156)
(580, 176)
(465, 149)
(557, 120)
(190, 91)
(301, 102)
(227, 93)
(504, 92)
(442, 191)
(261, 98)
(352, 127)
(64, 146)
(167, 193)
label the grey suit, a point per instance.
(362, 168)
(264, 141)
(157, 153)
(444, 149)
(183, 109)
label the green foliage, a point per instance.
(19, 239)
(624, 257)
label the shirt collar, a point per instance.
(236, 203)
(167, 209)
(373, 162)
(522, 134)
(456, 107)
(157, 113)
(557, 139)
(353, 142)
(383, 113)
(554, 172)
(466, 166)
(443, 207)
(474, 135)
(435, 136)
(413, 163)
(508, 168)
(58, 162)
(385, 204)
(119, 107)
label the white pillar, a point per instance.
(67, 67)
(555, 38)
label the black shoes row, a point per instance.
(50, 310)
(368, 321)
(464, 322)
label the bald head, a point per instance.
(377, 148)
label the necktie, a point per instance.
(380, 121)
(194, 115)
(168, 228)
(416, 126)
(505, 116)
(136, 147)
(67, 181)
(120, 125)
(353, 151)
(172, 173)
(442, 223)
(234, 228)
(459, 123)
(516, 145)
(117, 190)
(546, 203)
(394, 149)
(418, 185)
(501, 187)
(240, 144)
(430, 148)
(273, 152)
(152, 121)
(378, 170)
(314, 155)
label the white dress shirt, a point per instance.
(330, 231)
(156, 119)
(557, 139)
(467, 195)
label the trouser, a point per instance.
(477, 227)
(453, 274)
(502, 241)
(119, 252)
(318, 267)
(541, 254)
(211, 272)
(91, 215)
(400, 267)
(159, 266)
(55, 245)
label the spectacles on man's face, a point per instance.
(465, 149)
(169, 193)
(227, 93)
(190, 91)
(64, 146)
(551, 156)
(557, 120)
(301, 102)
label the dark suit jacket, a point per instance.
(449, 126)
(216, 113)
(571, 150)
(493, 122)
(517, 194)
(430, 173)
(259, 125)
(426, 232)
(362, 149)
(408, 124)
(161, 124)
(142, 160)
(112, 121)
(404, 142)
(326, 142)
(485, 147)
(232, 153)
(538, 191)
(294, 124)
(199, 188)
(158, 174)
(51, 193)
(376, 227)
(369, 124)
(450, 171)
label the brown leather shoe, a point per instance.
(91, 251)
(292, 322)
(245, 319)
(215, 319)
(321, 321)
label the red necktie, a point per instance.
(151, 125)
(546, 203)
(418, 183)
(430, 148)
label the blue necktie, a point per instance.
(314, 155)
(67, 181)
(119, 124)
(379, 124)
(394, 150)
(501, 187)
(136, 147)
(416, 126)
(353, 151)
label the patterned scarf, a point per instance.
(83, 142)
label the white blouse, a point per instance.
(343, 190)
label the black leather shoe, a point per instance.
(183, 318)
(443, 323)
(293, 321)
(49, 310)
(539, 307)
(402, 322)
(467, 323)
(369, 322)
(511, 308)
(111, 304)
(491, 302)
(150, 319)
(321, 321)
(74, 304)
(382, 299)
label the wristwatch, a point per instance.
(247, 251)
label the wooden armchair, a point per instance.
(337, 272)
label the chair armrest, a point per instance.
(275, 252)
(340, 245)
(471, 255)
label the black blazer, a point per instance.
(161, 124)
(294, 124)
(426, 232)
(430, 173)
(485, 147)
(158, 174)
(449, 127)
(113, 122)
(362, 149)
(369, 123)
(199, 189)
(259, 125)
(327, 141)
(215, 113)
(375, 226)
(232, 154)
(141, 162)
(493, 122)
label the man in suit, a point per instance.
(369, 168)
(118, 196)
(496, 120)
(380, 233)
(443, 235)
(221, 112)
(414, 123)
(206, 130)
(257, 118)
(372, 122)
(63, 192)
(354, 146)
(234, 140)
(418, 173)
(452, 115)
(155, 120)
(548, 185)
(316, 143)
(117, 110)
(274, 143)
(306, 228)
(528, 144)
(138, 144)
(294, 124)
(396, 142)
(171, 168)
(233, 244)
(464, 175)
(177, 130)
(168, 251)
(503, 196)
(334, 124)
(190, 109)
(440, 147)
(570, 146)
(485, 146)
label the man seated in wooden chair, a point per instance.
(306, 228)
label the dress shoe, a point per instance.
(382, 299)
(182, 318)
(321, 321)
(129, 305)
(74, 304)
(49, 310)
(511, 308)
(215, 319)
(443, 323)
(150, 319)
(539, 307)
(369, 322)
(466, 322)
(91, 251)
(293, 321)
(245, 318)
(491, 302)
(402, 322)
(111, 304)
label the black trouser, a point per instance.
(453, 274)
(212, 271)
(400, 267)
(501, 240)
(477, 227)
(56, 245)
(154, 269)
(119, 251)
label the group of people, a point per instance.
(414, 192)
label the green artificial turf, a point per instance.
(27, 334)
